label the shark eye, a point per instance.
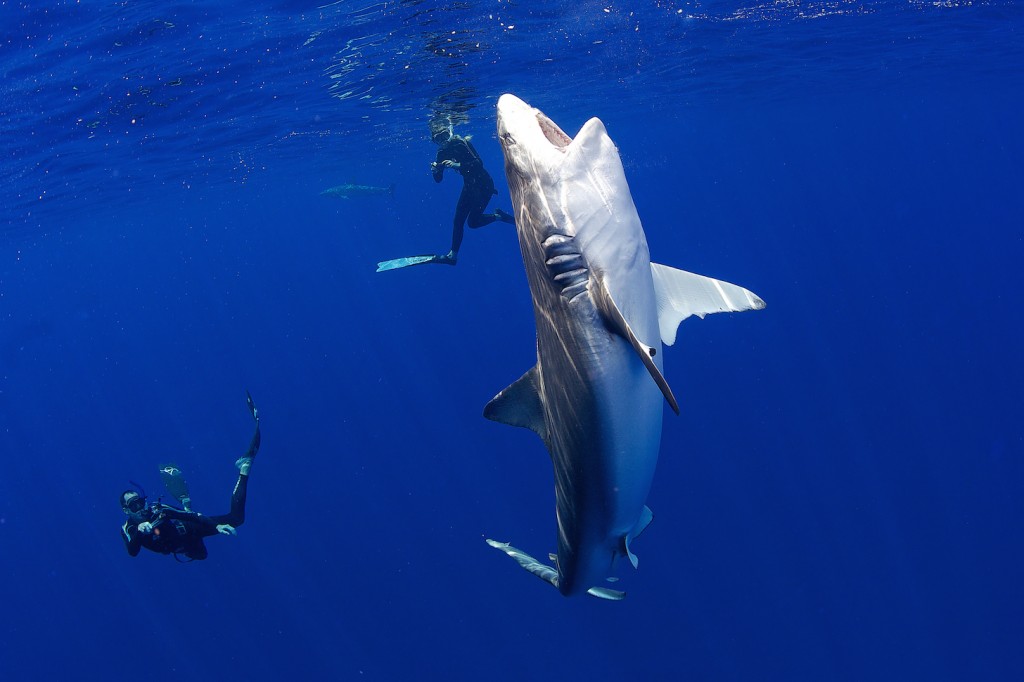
(508, 139)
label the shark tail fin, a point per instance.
(520, 405)
(617, 321)
(542, 571)
(681, 294)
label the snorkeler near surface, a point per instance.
(166, 529)
(457, 153)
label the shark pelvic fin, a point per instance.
(681, 294)
(646, 516)
(606, 593)
(520, 405)
(542, 571)
(617, 322)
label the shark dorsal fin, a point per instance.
(681, 294)
(616, 321)
(520, 405)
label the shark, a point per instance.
(349, 191)
(602, 311)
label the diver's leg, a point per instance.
(504, 217)
(235, 517)
(480, 219)
(462, 210)
(237, 514)
(477, 203)
(477, 217)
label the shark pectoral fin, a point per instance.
(681, 294)
(646, 516)
(615, 319)
(606, 593)
(520, 405)
(542, 571)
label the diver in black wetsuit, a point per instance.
(458, 154)
(169, 530)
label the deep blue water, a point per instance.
(840, 499)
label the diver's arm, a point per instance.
(132, 541)
(437, 167)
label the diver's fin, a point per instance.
(542, 571)
(397, 263)
(254, 444)
(519, 404)
(252, 407)
(615, 320)
(174, 481)
(681, 294)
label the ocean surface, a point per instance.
(841, 497)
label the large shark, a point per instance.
(602, 310)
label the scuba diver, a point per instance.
(458, 153)
(180, 531)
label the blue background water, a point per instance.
(839, 499)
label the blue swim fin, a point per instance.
(414, 260)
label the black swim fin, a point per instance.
(254, 444)
(177, 486)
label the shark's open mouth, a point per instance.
(553, 133)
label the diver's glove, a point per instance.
(146, 527)
(226, 529)
(243, 464)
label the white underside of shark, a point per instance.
(602, 311)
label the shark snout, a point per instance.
(519, 124)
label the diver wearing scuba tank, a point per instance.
(166, 529)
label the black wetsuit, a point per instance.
(477, 188)
(176, 531)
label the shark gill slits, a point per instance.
(555, 240)
(574, 290)
(557, 261)
(566, 265)
(572, 282)
(559, 246)
(570, 277)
